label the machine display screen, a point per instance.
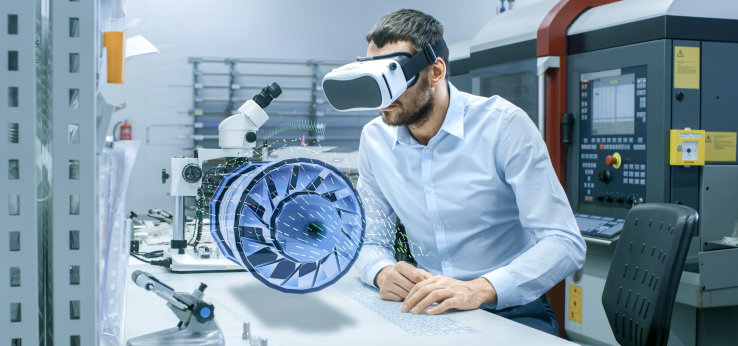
(613, 105)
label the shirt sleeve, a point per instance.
(522, 159)
(377, 251)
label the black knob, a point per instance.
(631, 199)
(164, 176)
(679, 96)
(204, 312)
(191, 173)
(619, 198)
(604, 176)
(610, 198)
(250, 137)
(600, 196)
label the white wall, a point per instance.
(158, 89)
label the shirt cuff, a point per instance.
(504, 286)
(371, 270)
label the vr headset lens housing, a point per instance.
(377, 81)
(365, 84)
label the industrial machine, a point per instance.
(637, 106)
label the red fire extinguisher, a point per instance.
(125, 131)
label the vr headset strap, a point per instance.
(422, 59)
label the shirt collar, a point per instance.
(453, 123)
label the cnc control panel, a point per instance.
(612, 137)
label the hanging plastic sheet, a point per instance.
(116, 163)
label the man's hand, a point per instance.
(450, 294)
(396, 281)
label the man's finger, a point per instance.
(447, 304)
(411, 273)
(418, 294)
(387, 295)
(401, 281)
(419, 285)
(436, 296)
(401, 291)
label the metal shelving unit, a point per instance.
(48, 208)
(73, 231)
(20, 253)
(222, 84)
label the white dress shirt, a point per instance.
(480, 200)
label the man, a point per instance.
(471, 180)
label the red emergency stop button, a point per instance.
(611, 160)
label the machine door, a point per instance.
(515, 81)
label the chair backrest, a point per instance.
(644, 274)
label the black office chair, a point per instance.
(644, 275)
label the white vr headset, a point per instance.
(375, 82)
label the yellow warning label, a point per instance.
(686, 67)
(575, 303)
(720, 146)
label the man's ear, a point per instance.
(437, 72)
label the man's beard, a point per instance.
(416, 114)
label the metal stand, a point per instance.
(178, 226)
(197, 325)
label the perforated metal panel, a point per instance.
(19, 247)
(74, 239)
(220, 85)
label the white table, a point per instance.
(328, 317)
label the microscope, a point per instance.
(236, 139)
(197, 325)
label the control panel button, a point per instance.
(604, 176)
(611, 160)
(619, 198)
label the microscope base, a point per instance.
(187, 262)
(177, 336)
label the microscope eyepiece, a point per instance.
(267, 94)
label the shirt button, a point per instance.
(438, 226)
(446, 263)
(429, 188)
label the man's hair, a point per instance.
(409, 25)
